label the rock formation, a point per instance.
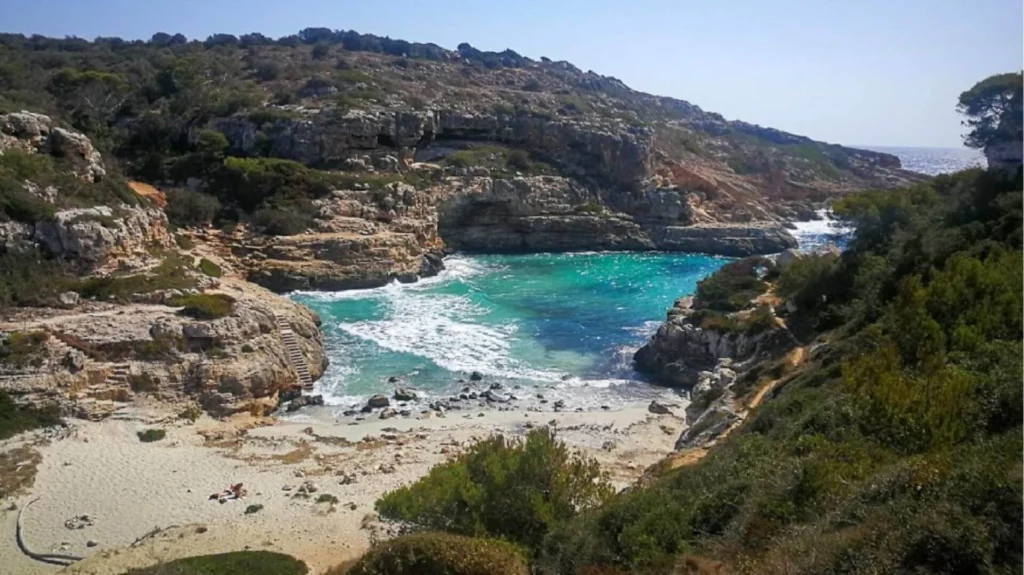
(91, 357)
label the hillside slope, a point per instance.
(392, 151)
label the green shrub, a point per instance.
(151, 435)
(283, 222)
(512, 489)
(16, 418)
(209, 268)
(808, 281)
(32, 278)
(441, 554)
(326, 498)
(254, 508)
(246, 348)
(205, 305)
(733, 286)
(191, 209)
(234, 563)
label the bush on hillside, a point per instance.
(205, 305)
(32, 278)
(441, 554)
(191, 209)
(807, 281)
(512, 489)
(234, 563)
(282, 221)
(733, 286)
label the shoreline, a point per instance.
(128, 488)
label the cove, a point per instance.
(568, 323)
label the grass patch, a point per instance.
(209, 268)
(18, 204)
(205, 306)
(234, 563)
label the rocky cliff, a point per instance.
(101, 307)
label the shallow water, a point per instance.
(565, 322)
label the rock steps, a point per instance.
(291, 344)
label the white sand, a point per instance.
(129, 488)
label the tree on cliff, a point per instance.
(994, 109)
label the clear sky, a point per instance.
(869, 72)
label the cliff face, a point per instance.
(557, 214)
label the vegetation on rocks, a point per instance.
(734, 285)
(441, 554)
(19, 203)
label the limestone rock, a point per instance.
(405, 394)
(68, 299)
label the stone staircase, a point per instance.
(291, 345)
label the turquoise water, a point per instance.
(565, 322)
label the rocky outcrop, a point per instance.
(37, 133)
(107, 355)
(681, 348)
(98, 234)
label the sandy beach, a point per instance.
(128, 488)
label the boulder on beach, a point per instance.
(378, 401)
(405, 394)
